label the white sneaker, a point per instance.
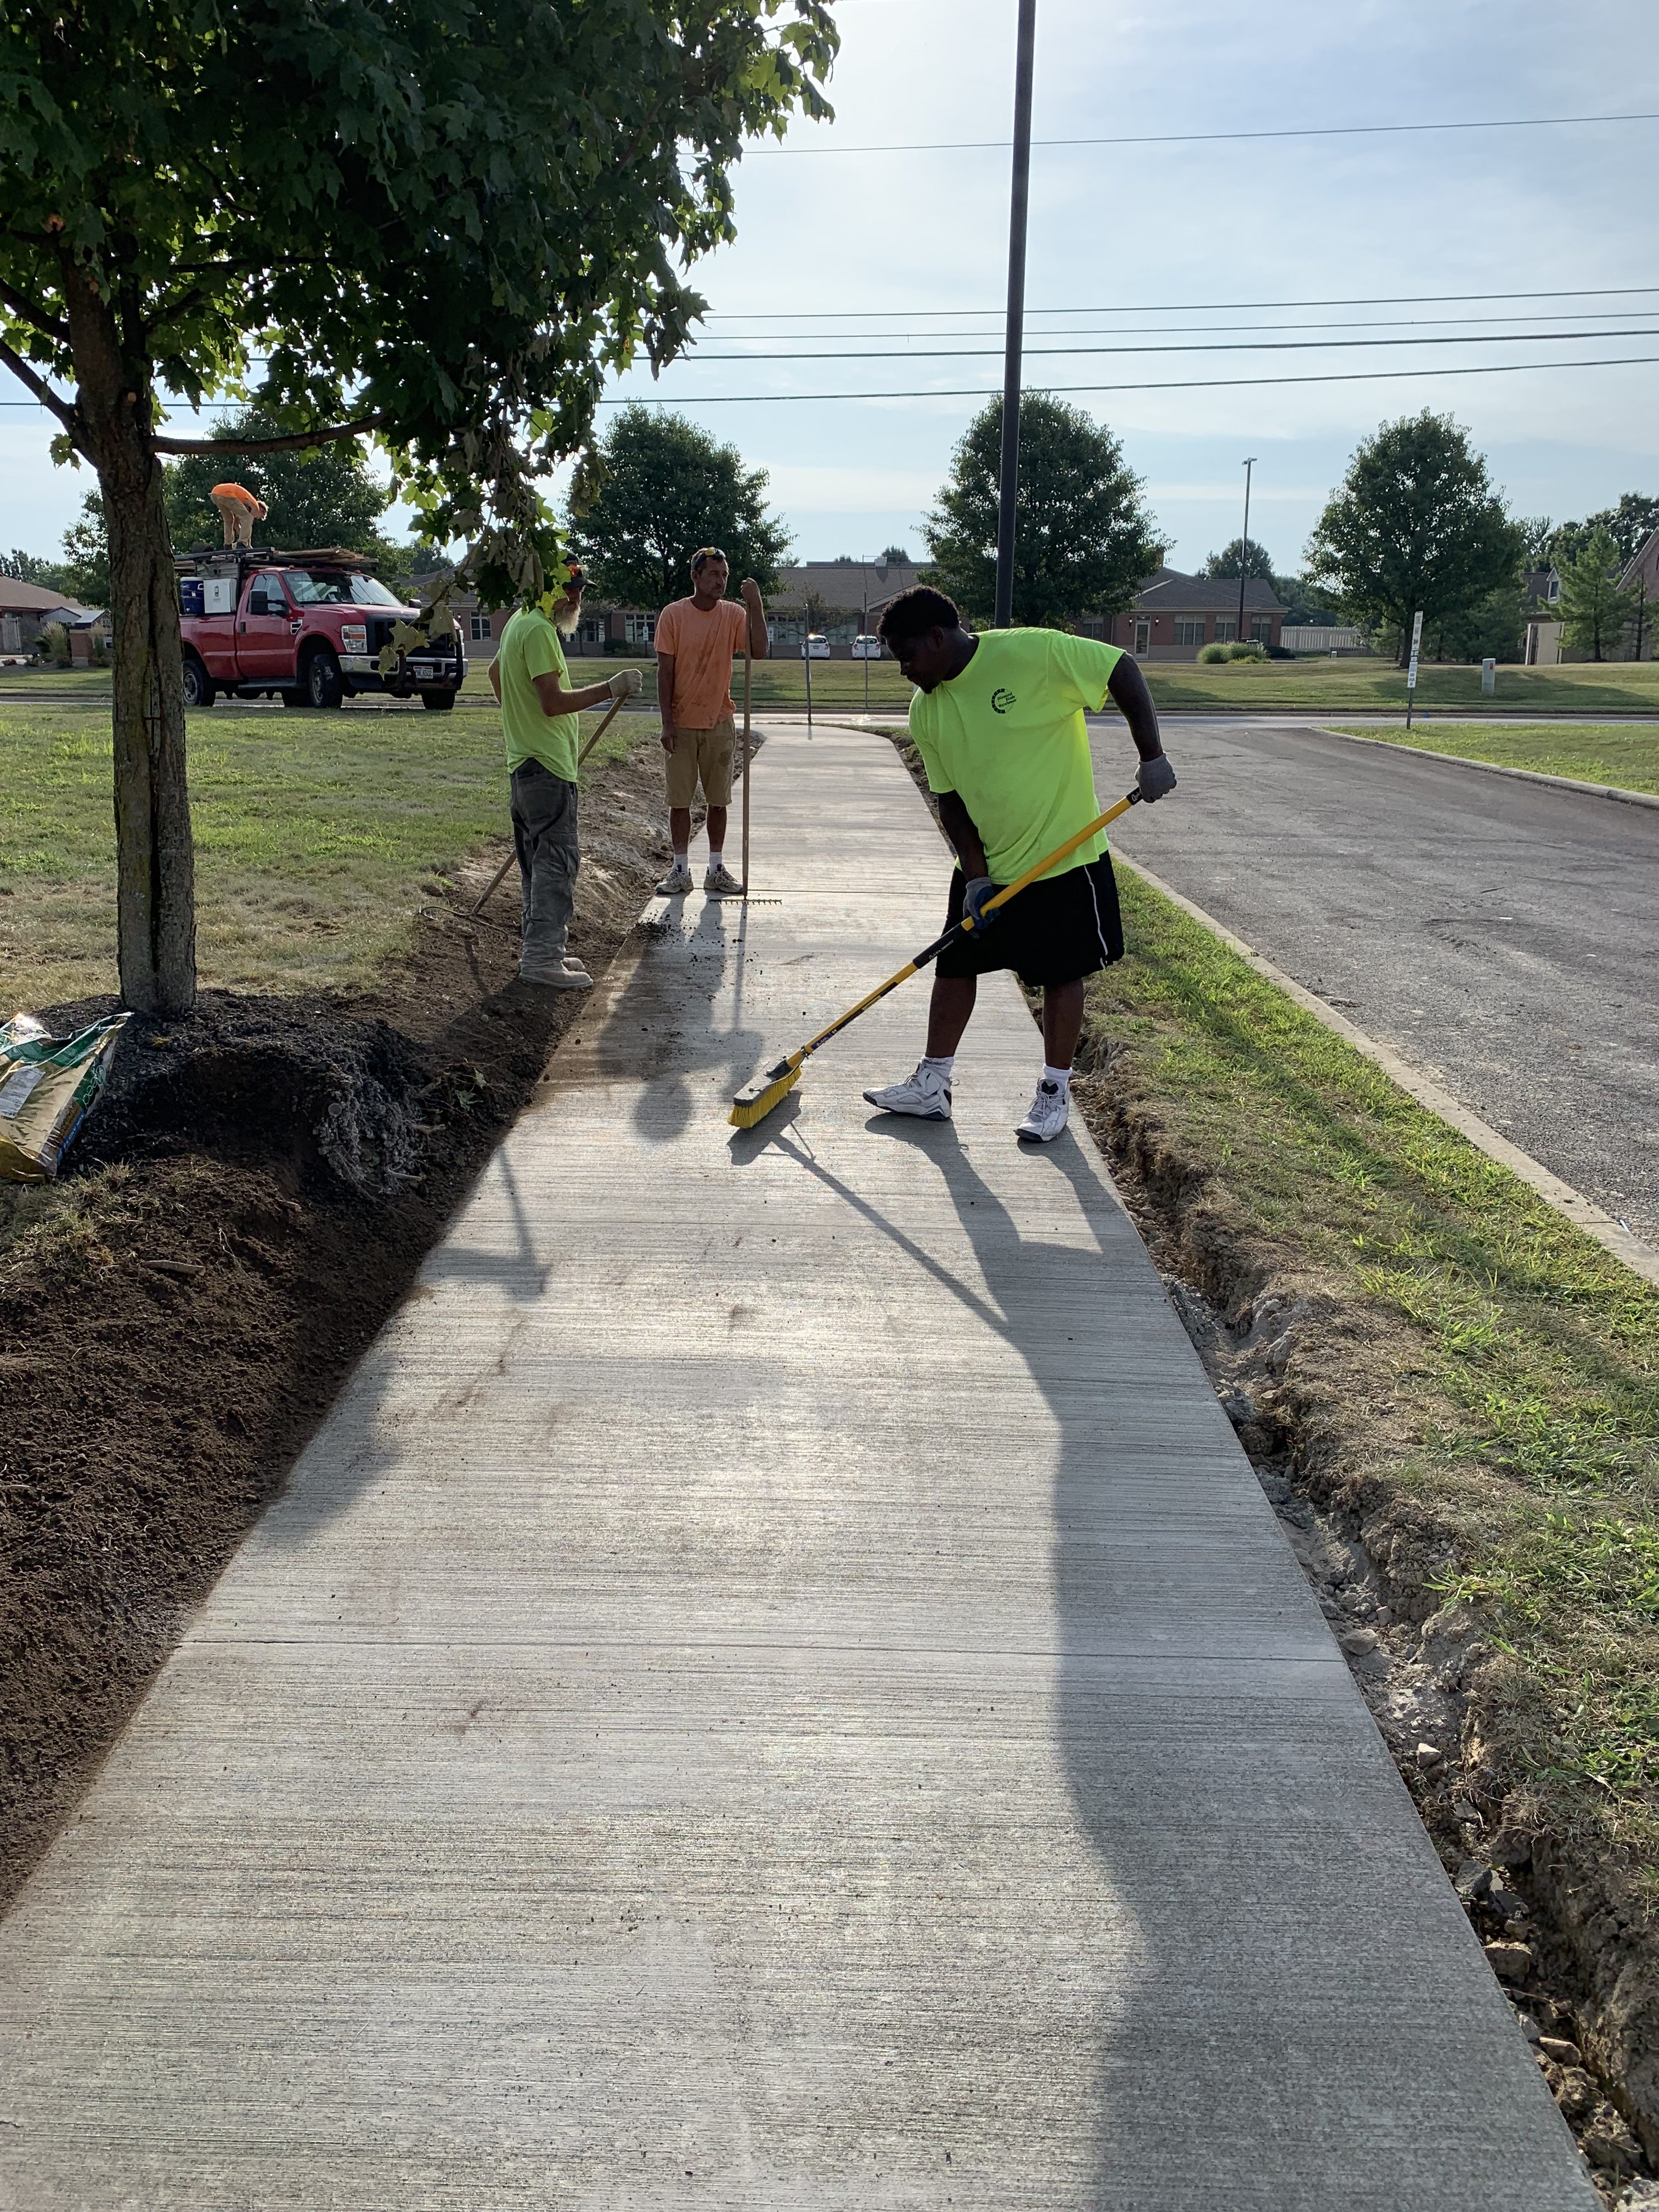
(722, 883)
(678, 879)
(1048, 1111)
(925, 1094)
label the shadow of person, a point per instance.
(1277, 1999)
(660, 1031)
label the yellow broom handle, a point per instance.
(910, 967)
(1059, 854)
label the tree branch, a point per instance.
(42, 390)
(298, 442)
(26, 312)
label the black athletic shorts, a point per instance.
(1057, 930)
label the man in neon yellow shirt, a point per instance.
(541, 720)
(998, 722)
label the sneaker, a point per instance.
(564, 975)
(721, 881)
(678, 879)
(924, 1094)
(1047, 1115)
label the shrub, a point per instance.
(1212, 653)
(1245, 649)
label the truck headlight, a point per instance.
(354, 637)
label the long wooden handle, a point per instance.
(747, 757)
(499, 876)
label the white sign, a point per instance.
(1416, 640)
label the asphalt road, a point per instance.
(1502, 935)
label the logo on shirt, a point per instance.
(1001, 701)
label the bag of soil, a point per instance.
(48, 1085)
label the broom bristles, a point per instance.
(755, 1100)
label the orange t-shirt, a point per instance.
(238, 492)
(702, 645)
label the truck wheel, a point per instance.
(324, 686)
(438, 702)
(198, 685)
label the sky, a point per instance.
(1138, 245)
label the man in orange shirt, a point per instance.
(696, 640)
(238, 510)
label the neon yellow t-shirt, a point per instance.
(530, 647)
(1008, 737)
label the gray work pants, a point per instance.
(544, 834)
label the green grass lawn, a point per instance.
(1526, 1357)
(1360, 686)
(317, 839)
(1624, 754)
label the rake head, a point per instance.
(755, 1100)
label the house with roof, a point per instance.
(26, 610)
(1174, 615)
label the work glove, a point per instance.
(1155, 778)
(624, 684)
(980, 888)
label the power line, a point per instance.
(1224, 137)
(1246, 345)
(1179, 383)
(1194, 307)
(1151, 330)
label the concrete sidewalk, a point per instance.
(775, 1687)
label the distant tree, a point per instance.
(1227, 561)
(323, 497)
(1494, 628)
(25, 567)
(1596, 608)
(1630, 525)
(895, 553)
(1083, 538)
(1537, 540)
(1415, 526)
(1304, 606)
(85, 573)
(665, 487)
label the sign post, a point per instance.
(1410, 671)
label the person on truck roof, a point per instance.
(238, 510)
(541, 720)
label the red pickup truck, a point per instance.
(309, 629)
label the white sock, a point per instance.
(716, 860)
(1060, 1077)
(940, 1068)
(683, 860)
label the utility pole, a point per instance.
(1244, 547)
(1014, 341)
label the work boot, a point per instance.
(1048, 1113)
(926, 1094)
(677, 882)
(554, 973)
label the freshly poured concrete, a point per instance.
(775, 1687)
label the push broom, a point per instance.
(757, 1099)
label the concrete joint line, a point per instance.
(1561, 1197)
(1497, 768)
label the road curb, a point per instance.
(1497, 768)
(1572, 1205)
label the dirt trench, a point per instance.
(251, 1200)
(1296, 1368)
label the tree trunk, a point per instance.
(155, 870)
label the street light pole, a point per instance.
(1014, 341)
(1244, 547)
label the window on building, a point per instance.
(1143, 634)
(592, 630)
(480, 628)
(1189, 630)
(1554, 591)
(1225, 629)
(639, 629)
(1262, 628)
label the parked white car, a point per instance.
(817, 646)
(867, 646)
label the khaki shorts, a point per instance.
(705, 757)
